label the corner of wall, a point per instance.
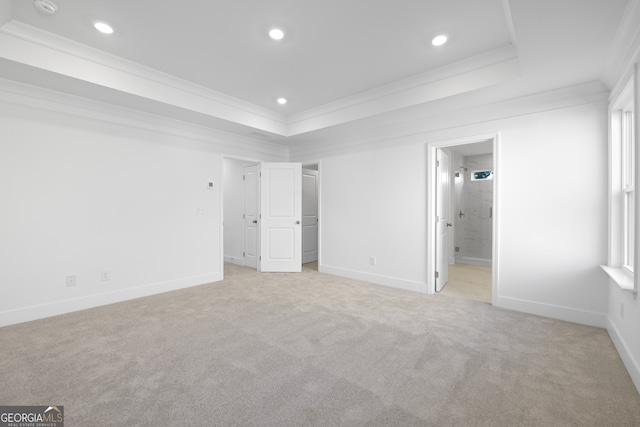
(630, 361)
(568, 314)
(6, 12)
(392, 282)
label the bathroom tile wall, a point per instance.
(476, 203)
(458, 204)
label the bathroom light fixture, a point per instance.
(103, 27)
(282, 101)
(276, 33)
(439, 40)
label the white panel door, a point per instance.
(443, 219)
(280, 217)
(309, 215)
(250, 248)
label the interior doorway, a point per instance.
(240, 206)
(310, 215)
(241, 213)
(464, 255)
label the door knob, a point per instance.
(449, 224)
(255, 221)
(297, 222)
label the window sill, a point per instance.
(623, 279)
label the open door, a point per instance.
(280, 217)
(443, 219)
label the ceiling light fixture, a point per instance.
(276, 33)
(45, 6)
(439, 40)
(103, 27)
(282, 101)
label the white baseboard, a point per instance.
(474, 261)
(392, 282)
(583, 317)
(630, 362)
(234, 260)
(27, 314)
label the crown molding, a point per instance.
(441, 73)
(31, 46)
(34, 47)
(625, 50)
(18, 95)
(508, 17)
(473, 73)
(433, 124)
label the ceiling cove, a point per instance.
(35, 46)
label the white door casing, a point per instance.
(309, 215)
(452, 212)
(280, 217)
(443, 218)
(250, 217)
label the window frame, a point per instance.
(627, 143)
(623, 180)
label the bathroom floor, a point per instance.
(469, 281)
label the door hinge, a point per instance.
(437, 274)
(244, 178)
(437, 163)
(243, 254)
(260, 258)
(244, 216)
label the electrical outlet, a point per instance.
(372, 260)
(71, 281)
(105, 276)
(622, 310)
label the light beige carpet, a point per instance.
(312, 349)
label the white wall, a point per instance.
(84, 192)
(552, 215)
(373, 205)
(623, 325)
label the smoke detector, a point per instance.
(45, 6)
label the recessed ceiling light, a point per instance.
(103, 27)
(282, 101)
(276, 33)
(439, 40)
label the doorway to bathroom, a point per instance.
(470, 272)
(463, 211)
